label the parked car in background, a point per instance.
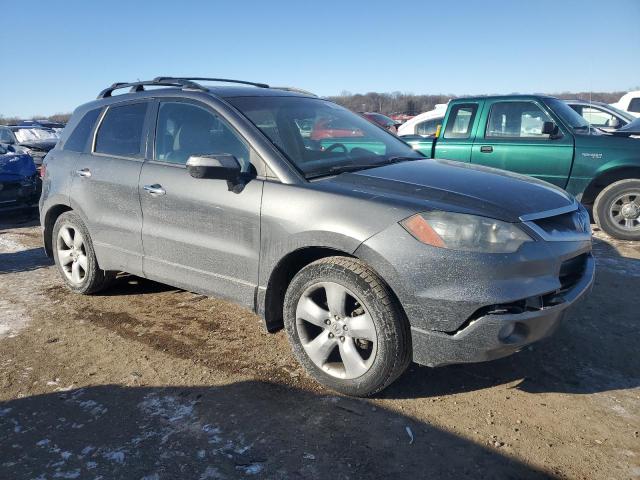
(629, 102)
(19, 181)
(382, 121)
(630, 130)
(426, 124)
(333, 128)
(601, 115)
(543, 137)
(33, 140)
(55, 126)
(367, 253)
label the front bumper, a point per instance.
(471, 307)
(499, 334)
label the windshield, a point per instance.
(320, 137)
(567, 114)
(35, 134)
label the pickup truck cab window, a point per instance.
(460, 121)
(516, 119)
(184, 129)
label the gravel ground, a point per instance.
(148, 382)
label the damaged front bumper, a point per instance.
(503, 330)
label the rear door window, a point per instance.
(120, 133)
(460, 121)
(79, 138)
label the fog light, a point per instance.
(515, 332)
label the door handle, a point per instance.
(155, 190)
(85, 172)
(486, 149)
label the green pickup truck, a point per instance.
(543, 137)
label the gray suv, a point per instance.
(368, 254)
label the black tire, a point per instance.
(393, 350)
(605, 201)
(95, 279)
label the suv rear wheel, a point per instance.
(617, 209)
(345, 326)
(74, 256)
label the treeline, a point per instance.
(398, 102)
(387, 103)
(58, 117)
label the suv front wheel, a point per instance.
(617, 209)
(74, 256)
(345, 326)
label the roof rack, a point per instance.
(206, 79)
(160, 81)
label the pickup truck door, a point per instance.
(456, 140)
(510, 137)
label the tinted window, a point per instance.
(460, 121)
(121, 130)
(428, 128)
(634, 105)
(185, 129)
(516, 119)
(77, 141)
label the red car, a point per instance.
(382, 121)
(332, 128)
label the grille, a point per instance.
(572, 270)
(565, 224)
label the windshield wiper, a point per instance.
(354, 167)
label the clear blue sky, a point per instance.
(58, 54)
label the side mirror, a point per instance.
(551, 129)
(221, 166)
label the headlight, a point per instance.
(470, 233)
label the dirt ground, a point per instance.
(149, 382)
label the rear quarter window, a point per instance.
(79, 138)
(120, 133)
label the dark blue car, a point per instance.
(19, 181)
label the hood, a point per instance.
(44, 145)
(458, 187)
(16, 166)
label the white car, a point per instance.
(424, 124)
(629, 102)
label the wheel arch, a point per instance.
(282, 274)
(606, 178)
(49, 221)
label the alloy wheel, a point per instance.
(336, 331)
(72, 254)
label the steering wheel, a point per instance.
(332, 147)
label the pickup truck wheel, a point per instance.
(75, 258)
(345, 326)
(617, 209)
